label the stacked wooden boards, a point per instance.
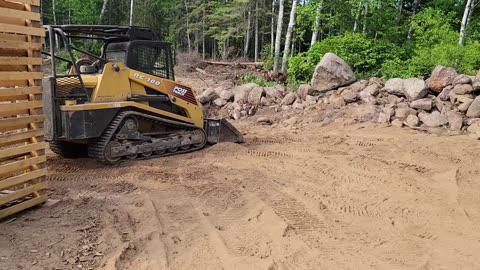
(22, 148)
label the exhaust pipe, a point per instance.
(220, 130)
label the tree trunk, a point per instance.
(131, 12)
(272, 29)
(203, 33)
(54, 12)
(316, 25)
(365, 14)
(247, 36)
(189, 43)
(278, 38)
(288, 38)
(400, 10)
(465, 20)
(102, 13)
(255, 57)
(357, 17)
(410, 29)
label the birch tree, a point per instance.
(410, 29)
(278, 37)
(288, 38)
(316, 24)
(272, 27)
(466, 18)
(102, 12)
(255, 57)
(247, 35)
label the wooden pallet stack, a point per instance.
(22, 148)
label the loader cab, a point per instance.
(151, 57)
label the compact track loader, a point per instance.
(124, 103)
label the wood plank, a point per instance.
(8, 28)
(19, 91)
(27, 2)
(22, 206)
(20, 60)
(12, 5)
(12, 21)
(13, 37)
(19, 122)
(21, 165)
(19, 45)
(22, 150)
(12, 76)
(19, 108)
(14, 83)
(20, 179)
(19, 14)
(21, 193)
(7, 139)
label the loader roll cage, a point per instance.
(137, 47)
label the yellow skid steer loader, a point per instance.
(124, 103)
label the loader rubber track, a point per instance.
(96, 148)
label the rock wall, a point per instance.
(445, 100)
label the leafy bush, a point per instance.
(249, 78)
(364, 55)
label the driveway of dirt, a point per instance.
(354, 197)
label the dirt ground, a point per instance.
(337, 197)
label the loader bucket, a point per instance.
(220, 130)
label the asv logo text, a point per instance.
(180, 91)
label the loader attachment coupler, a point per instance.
(220, 130)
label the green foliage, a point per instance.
(249, 78)
(365, 55)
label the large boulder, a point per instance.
(404, 112)
(219, 102)
(207, 96)
(455, 120)
(474, 109)
(240, 93)
(225, 95)
(462, 89)
(255, 95)
(395, 87)
(434, 119)
(274, 92)
(422, 104)
(415, 88)
(331, 73)
(304, 90)
(412, 121)
(440, 78)
(289, 99)
(462, 79)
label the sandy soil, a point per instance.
(310, 197)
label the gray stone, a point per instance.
(462, 79)
(298, 105)
(264, 121)
(403, 113)
(219, 102)
(331, 73)
(311, 99)
(434, 119)
(367, 113)
(476, 86)
(472, 121)
(358, 86)
(265, 101)
(465, 105)
(241, 92)
(474, 129)
(225, 95)
(337, 102)
(273, 93)
(462, 89)
(373, 89)
(289, 99)
(397, 123)
(236, 114)
(412, 121)
(422, 104)
(474, 109)
(375, 80)
(207, 96)
(395, 87)
(350, 96)
(440, 78)
(255, 95)
(304, 90)
(455, 120)
(445, 94)
(366, 97)
(392, 99)
(415, 88)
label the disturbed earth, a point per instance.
(298, 196)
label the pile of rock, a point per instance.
(447, 99)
